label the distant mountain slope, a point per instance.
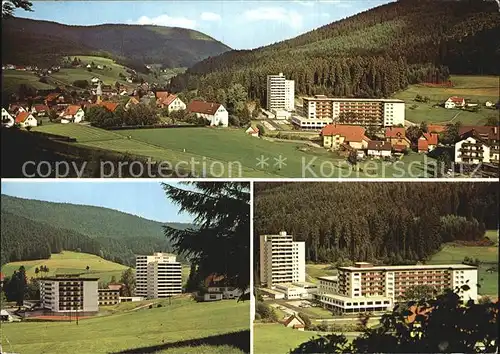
(33, 229)
(32, 41)
(372, 54)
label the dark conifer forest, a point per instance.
(390, 223)
(372, 54)
(33, 229)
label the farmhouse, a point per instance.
(253, 131)
(72, 114)
(171, 102)
(397, 138)
(294, 322)
(454, 102)
(334, 136)
(427, 142)
(40, 110)
(379, 149)
(476, 147)
(7, 119)
(25, 119)
(215, 113)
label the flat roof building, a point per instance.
(69, 293)
(282, 260)
(108, 297)
(359, 111)
(365, 287)
(158, 276)
(280, 93)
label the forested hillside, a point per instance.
(390, 223)
(371, 54)
(43, 42)
(33, 229)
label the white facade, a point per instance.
(311, 123)
(297, 290)
(394, 113)
(176, 105)
(158, 276)
(69, 294)
(379, 153)
(221, 117)
(29, 121)
(78, 117)
(280, 93)
(282, 260)
(477, 152)
(226, 291)
(7, 119)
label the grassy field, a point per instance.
(183, 326)
(12, 79)
(318, 270)
(478, 88)
(454, 253)
(277, 339)
(68, 262)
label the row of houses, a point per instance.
(460, 102)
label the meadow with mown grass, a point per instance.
(178, 326)
(476, 88)
(230, 152)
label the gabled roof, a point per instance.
(290, 319)
(485, 131)
(41, 108)
(203, 107)
(162, 94)
(22, 116)
(432, 138)
(110, 106)
(133, 100)
(167, 100)
(354, 133)
(456, 99)
(395, 132)
(379, 145)
(422, 144)
(252, 130)
(71, 110)
(52, 96)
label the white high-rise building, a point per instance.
(282, 260)
(280, 93)
(157, 276)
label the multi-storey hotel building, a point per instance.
(158, 276)
(108, 297)
(282, 260)
(280, 93)
(69, 294)
(320, 110)
(365, 287)
(478, 145)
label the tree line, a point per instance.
(372, 54)
(377, 222)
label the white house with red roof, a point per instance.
(215, 113)
(454, 102)
(26, 119)
(72, 114)
(427, 142)
(40, 110)
(7, 119)
(253, 131)
(294, 322)
(171, 102)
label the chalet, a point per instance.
(335, 136)
(454, 102)
(379, 149)
(26, 119)
(476, 147)
(215, 113)
(110, 106)
(171, 102)
(427, 142)
(294, 322)
(397, 138)
(7, 119)
(253, 131)
(72, 114)
(40, 110)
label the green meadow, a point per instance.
(178, 326)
